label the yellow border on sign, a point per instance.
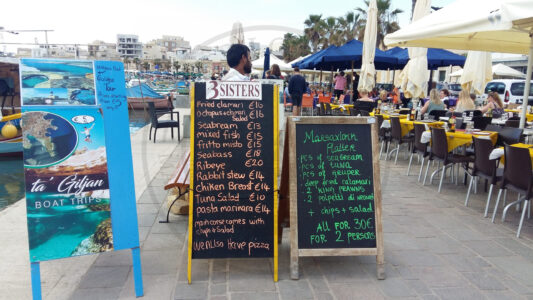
(276, 163)
(191, 186)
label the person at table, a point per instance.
(364, 96)
(444, 95)
(434, 103)
(383, 96)
(494, 103)
(464, 102)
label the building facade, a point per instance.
(128, 45)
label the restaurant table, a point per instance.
(408, 125)
(341, 107)
(386, 116)
(498, 152)
(460, 138)
(529, 117)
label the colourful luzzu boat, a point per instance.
(11, 145)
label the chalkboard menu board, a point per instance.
(233, 178)
(335, 189)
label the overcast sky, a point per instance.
(195, 20)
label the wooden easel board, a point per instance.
(335, 189)
(234, 159)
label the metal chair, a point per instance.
(439, 152)
(156, 123)
(396, 135)
(419, 148)
(510, 135)
(517, 176)
(484, 168)
(512, 123)
(473, 113)
(481, 122)
(436, 114)
(383, 134)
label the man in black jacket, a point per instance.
(297, 88)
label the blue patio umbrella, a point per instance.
(266, 64)
(315, 61)
(351, 53)
(436, 57)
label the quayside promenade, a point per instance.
(435, 248)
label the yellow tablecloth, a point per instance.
(342, 107)
(408, 125)
(458, 139)
(387, 116)
(529, 116)
(520, 145)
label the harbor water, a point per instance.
(12, 171)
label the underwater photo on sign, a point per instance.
(68, 202)
(57, 82)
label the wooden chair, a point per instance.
(156, 123)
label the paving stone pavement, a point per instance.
(435, 248)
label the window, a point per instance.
(498, 87)
(517, 89)
(442, 75)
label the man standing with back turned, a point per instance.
(240, 62)
(297, 88)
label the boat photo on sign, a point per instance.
(57, 82)
(67, 188)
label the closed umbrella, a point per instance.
(487, 25)
(368, 71)
(415, 75)
(477, 71)
(237, 34)
(266, 64)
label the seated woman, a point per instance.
(383, 96)
(434, 103)
(364, 96)
(494, 103)
(464, 102)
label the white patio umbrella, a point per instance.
(477, 71)
(368, 71)
(414, 77)
(283, 66)
(506, 71)
(499, 70)
(487, 25)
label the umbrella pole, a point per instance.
(527, 85)
(430, 83)
(353, 79)
(320, 77)
(330, 80)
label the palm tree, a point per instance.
(146, 66)
(387, 19)
(176, 65)
(136, 61)
(314, 30)
(350, 25)
(294, 46)
(126, 61)
(199, 65)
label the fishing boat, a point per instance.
(11, 144)
(139, 95)
(10, 116)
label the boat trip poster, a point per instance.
(57, 82)
(67, 185)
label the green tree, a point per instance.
(200, 66)
(176, 65)
(294, 46)
(314, 31)
(126, 61)
(146, 66)
(387, 19)
(136, 61)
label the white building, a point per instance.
(128, 45)
(154, 51)
(102, 50)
